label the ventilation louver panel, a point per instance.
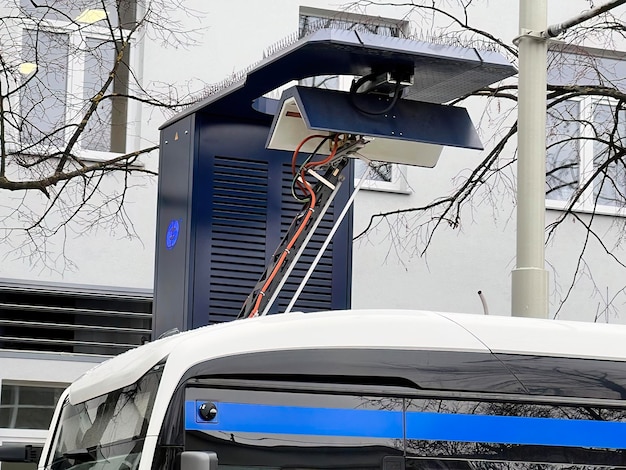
(72, 319)
(239, 227)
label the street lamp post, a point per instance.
(529, 294)
(530, 278)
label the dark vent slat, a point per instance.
(241, 269)
(74, 311)
(234, 187)
(236, 182)
(241, 219)
(231, 220)
(234, 251)
(242, 233)
(95, 344)
(243, 210)
(66, 326)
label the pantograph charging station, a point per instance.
(234, 160)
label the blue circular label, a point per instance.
(171, 237)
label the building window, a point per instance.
(379, 176)
(69, 49)
(28, 405)
(382, 176)
(579, 158)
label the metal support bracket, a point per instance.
(325, 191)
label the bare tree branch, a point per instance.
(585, 100)
(68, 143)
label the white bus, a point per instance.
(379, 390)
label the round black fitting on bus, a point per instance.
(207, 411)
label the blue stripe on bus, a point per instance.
(387, 424)
(270, 419)
(515, 430)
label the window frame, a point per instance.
(78, 36)
(398, 183)
(15, 406)
(587, 201)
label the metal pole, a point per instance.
(530, 278)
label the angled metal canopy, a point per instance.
(440, 73)
(412, 133)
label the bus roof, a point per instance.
(359, 329)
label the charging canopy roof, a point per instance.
(440, 73)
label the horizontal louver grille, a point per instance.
(239, 228)
(72, 319)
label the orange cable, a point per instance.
(295, 155)
(285, 252)
(329, 158)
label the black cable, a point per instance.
(368, 78)
(361, 81)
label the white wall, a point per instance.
(100, 256)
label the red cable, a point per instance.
(285, 252)
(295, 155)
(327, 159)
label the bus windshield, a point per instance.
(106, 432)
